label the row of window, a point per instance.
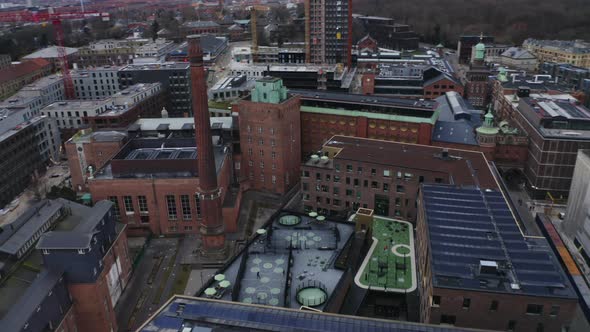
(171, 207)
(260, 130)
(261, 141)
(531, 309)
(273, 154)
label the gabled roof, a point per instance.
(367, 37)
(50, 53)
(518, 53)
(22, 69)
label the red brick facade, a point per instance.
(317, 128)
(94, 153)
(93, 307)
(367, 43)
(438, 88)
(154, 217)
(270, 137)
(368, 84)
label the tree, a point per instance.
(155, 29)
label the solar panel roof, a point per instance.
(468, 225)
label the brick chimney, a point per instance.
(212, 228)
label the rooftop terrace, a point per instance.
(289, 263)
(390, 263)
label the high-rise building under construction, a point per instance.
(328, 31)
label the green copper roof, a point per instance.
(269, 90)
(402, 118)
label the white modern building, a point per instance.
(70, 114)
(95, 83)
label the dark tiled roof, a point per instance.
(464, 167)
(22, 69)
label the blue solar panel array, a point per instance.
(197, 312)
(467, 225)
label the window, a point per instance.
(261, 141)
(400, 189)
(249, 151)
(374, 184)
(261, 153)
(347, 180)
(142, 202)
(554, 311)
(373, 172)
(116, 210)
(448, 319)
(348, 192)
(511, 325)
(385, 187)
(198, 205)
(186, 207)
(188, 228)
(356, 182)
(534, 309)
(128, 204)
(171, 203)
(336, 190)
(272, 142)
(274, 179)
(435, 301)
(337, 167)
(349, 168)
(305, 174)
(386, 173)
(262, 164)
(494, 305)
(273, 155)
(466, 303)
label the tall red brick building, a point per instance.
(478, 87)
(325, 114)
(270, 137)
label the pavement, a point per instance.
(197, 279)
(526, 208)
(149, 284)
(55, 175)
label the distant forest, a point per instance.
(510, 21)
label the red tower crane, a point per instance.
(56, 19)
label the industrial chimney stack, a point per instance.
(212, 228)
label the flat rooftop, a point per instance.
(554, 116)
(87, 72)
(183, 313)
(157, 66)
(552, 107)
(159, 158)
(390, 263)
(465, 168)
(173, 124)
(364, 100)
(259, 274)
(77, 105)
(476, 244)
(43, 82)
(98, 136)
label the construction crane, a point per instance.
(56, 19)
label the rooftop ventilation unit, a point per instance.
(488, 267)
(315, 158)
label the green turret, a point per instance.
(269, 90)
(480, 49)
